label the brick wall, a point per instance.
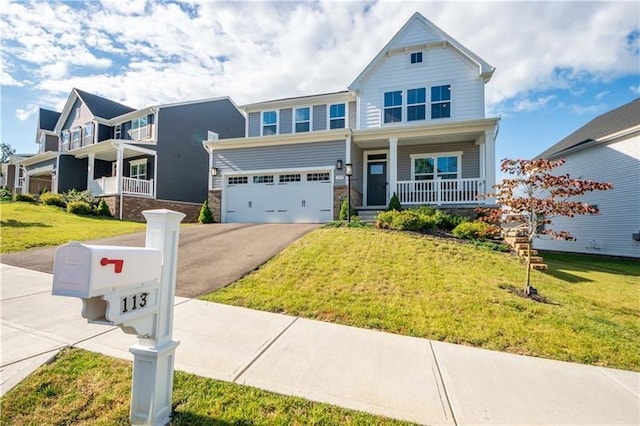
(215, 204)
(339, 194)
(134, 206)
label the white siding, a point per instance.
(416, 33)
(441, 66)
(610, 232)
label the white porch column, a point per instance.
(489, 163)
(90, 169)
(393, 166)
(155, 175)
(210, 176)
(120, 156)
(347, 149)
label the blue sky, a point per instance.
(558, 64)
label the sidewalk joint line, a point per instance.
(264, 350)
(110, 329)
(25, 295)
(444, 386)
(58, 349)
(615, 379)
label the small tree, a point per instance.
(6, 151)
(205, 213)
(394, 203)
(535, 196)
(344, 208)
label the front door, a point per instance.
(377, 183)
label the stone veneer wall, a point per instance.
(215, 204)
(134, 206)
(339, 194)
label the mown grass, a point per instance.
(80, 387)
(445, 290)
(27, 225)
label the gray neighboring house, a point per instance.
(411, 123)
(606, 149)
(134, 159)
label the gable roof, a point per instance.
(47, 119)
(102, 107)
(614, 121)
(486, 70)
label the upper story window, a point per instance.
(77, 113)
(416, 58)
(65, 141)
(439, 165)
(393, 106)
(88, 130)
(75, 138)
(337, 116)
(416, 104)
(441, 101)
(117, 133)
(269, 123)
(138, 169)
(139, 128)
(303, 119)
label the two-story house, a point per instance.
(135, 159)
(411, 123)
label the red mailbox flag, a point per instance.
(117, 263)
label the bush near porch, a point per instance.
(441, 289)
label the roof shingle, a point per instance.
(102, 107)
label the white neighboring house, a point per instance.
(606, 149)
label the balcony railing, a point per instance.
(441, 191)
(109, 186)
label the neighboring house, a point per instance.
(13, 174)
(606, 149)
(137, 159)
(413, 122)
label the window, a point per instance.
(77, 113)
(139, 129)
(318, 177)
(269, 123)
(289, 178)
(337, 116)
(75, 138)
(431, 166)
(441, 101)
(303, 119)
(65, 141)
(268, 179)
(416, 104)
(416, 58)
(138, 169)
(237, 180)
(393, 106)
(117, 132)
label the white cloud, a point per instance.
(635, 89)
(599, 96)
(148, 52)
(7, 80)
(24, 114)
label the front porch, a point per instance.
(130, 186)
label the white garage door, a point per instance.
(283, 197)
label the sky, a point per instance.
(558, 64)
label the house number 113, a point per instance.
(133, 302)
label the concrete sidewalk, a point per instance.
(407, 378)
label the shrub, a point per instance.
(79, 207)
(356, 222)
(333, 224)
(205, 213)
(102, 209)
(476, 230)
(411, 220)
(28, 198)
(74, 195)
(5, 194)
(490, 245)
(384, 219)
(344, 208)
(394, 203)
(52, 199)
(447, 221)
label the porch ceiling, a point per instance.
(383, 142)
(106, 151)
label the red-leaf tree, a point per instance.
(534, 196)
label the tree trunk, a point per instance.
(527, 287)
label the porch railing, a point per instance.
(441, 191)
(109, 186)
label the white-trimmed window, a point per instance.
(237, 180)
(337, 115)
(77, 113)
(302, 119)
(138, 169)
(117, 132)
(289, 178)
(441, 101)
(415, 58)
(65, 141)
(416, 104)
(88, 129)
(75, 138)
(444, 165)
(269, 123)
(393, 106)
(139, 128)
(268, 179)
(318, 177)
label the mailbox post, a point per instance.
(133, 288)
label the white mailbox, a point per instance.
(116, 284)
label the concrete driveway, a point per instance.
(209, 257)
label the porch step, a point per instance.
(525, 252)
(367, 215)
(539, 266)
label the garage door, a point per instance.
(283, 197)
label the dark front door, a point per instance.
(377, 183)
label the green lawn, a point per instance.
(27, 225)
(445, 290)
(85, 388)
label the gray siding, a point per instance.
(72, 173)
(470, 157)
(356, 160)
(254, 124)
(101, 168)
(319, 117)
(41, 164)
(352, 115)
(104, 132)
(50, 143)
(286, 121)
(279, 157)
(183, 165)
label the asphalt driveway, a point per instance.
(209, 256)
